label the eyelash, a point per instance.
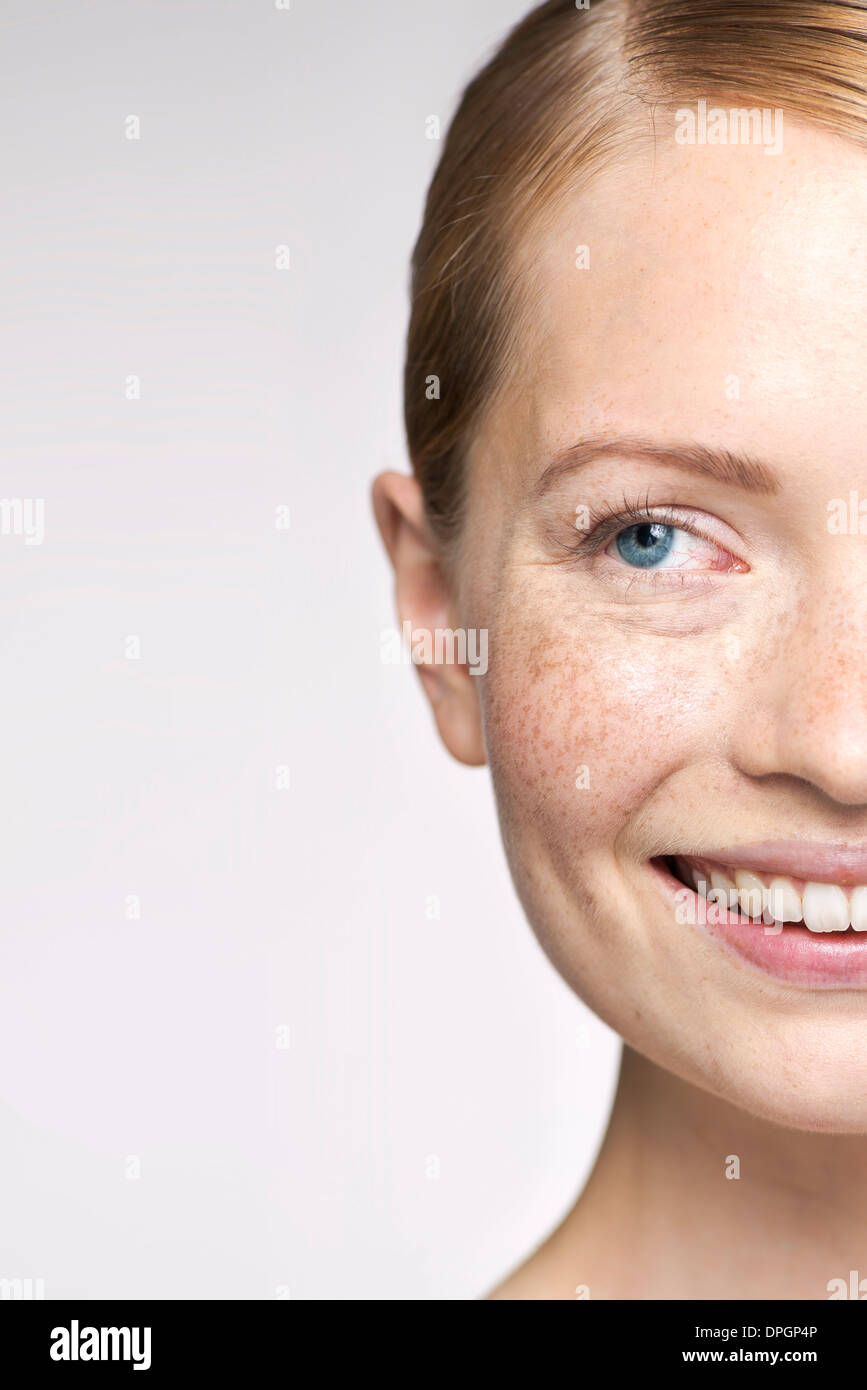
(606, 522)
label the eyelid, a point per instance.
(605, 525)
(607, 522)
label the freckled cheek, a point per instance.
(577, 744)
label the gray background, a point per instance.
(441, 1093)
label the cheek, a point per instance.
(582, 726)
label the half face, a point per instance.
(665, 542)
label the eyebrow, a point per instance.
(721, 464)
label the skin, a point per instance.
(720, 704)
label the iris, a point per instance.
(646, 545)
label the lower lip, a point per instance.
(796, 956)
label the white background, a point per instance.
(417, 1045)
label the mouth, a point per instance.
(810, 932)
(767, 898)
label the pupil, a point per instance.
(649, 535)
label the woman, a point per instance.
(636, 403)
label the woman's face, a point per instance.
(698, 689)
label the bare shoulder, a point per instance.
(548, 1274)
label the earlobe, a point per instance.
(426, 603)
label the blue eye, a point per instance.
(646, 545)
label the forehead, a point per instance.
(723, 289)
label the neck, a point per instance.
(692, 1198)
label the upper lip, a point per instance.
(814, 860)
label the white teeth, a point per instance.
(826, 907)
(725, 892)
(822, 907)
(858, 908)
(751, 893)
(783, 901)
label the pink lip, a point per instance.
(811, 860)
(794, 955)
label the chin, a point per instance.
(813, 1079)
(812, 1092)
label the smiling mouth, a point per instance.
(767, 899)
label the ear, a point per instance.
(425, 599)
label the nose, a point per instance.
(804, 711)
